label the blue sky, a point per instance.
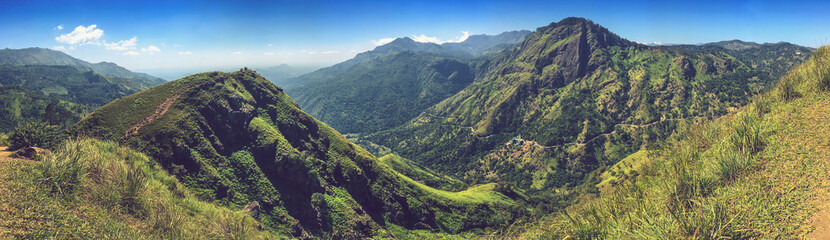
(206, 34)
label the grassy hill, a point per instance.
(573, 98)
(759, 173)
(235, 138)
(91, 189)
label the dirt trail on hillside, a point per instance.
(160, 111)
(816, 143)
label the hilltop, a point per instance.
(234, 138)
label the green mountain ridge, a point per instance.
(384, 92)
(758, 173)
(43, 56)
(570, 99)
(234, 138)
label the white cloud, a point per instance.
(59, 48)
(122, 45)
(312, 52)
(268, 53)
(427, 39)
(382, 41)
(269, 44)
(82, 35)
(185, 53)
(59, 27)
(461, 38)
(130, 53)
(352, 51)
(151, 49)
(237, 53)
(330, 52)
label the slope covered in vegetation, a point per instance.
(235, 138)
(91, 189)
(384, 92)
(19, 105)
(570, 99)
(43, 56)
(760, 173)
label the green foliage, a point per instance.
(384, 92)
(69, 83)
(37, 134)
(4, 140)
(235, 138)
(749, 175)
(96, 189)
(18, 105)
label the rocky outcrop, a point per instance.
(32, 153)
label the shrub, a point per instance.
(822, 69)
(786, 89)
(4, 140)
(34, 134)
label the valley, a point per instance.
(568, 131)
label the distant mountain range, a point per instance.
(385, 87)
(43, 56)
(40, 82)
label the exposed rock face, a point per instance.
(32, 153)
(253, 209)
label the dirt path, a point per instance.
(160, 111)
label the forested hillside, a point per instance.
(235, 138)
(574, 98)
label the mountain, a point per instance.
(57, 84)
(474, 46)
(736, 45)
(393, 83)
(753, 174)
(571, 99)
(330, 73)
(384, 92)
(42, 56)
(67, 82)
(234, 138)
(20, 105)
(477, 45)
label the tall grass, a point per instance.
(62, 172)
(747, 137)
(124, 184)
(232, 226)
